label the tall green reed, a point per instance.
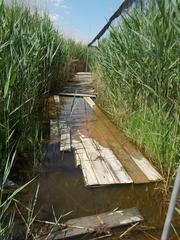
(33, 61)
(139, 67)
(27, 52)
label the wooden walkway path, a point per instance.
(80, 86)
(105, 154)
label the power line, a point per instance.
(125, 5)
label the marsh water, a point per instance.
(61, 184)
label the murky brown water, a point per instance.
(62, 185)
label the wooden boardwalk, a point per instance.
(105, 155)
(80, 86)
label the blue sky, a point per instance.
(81, 19)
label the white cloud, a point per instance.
(74, 33)
(67, 9)
(61, 4)
(56, 20)
(57, 3)
(54, 17)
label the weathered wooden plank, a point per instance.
(128, 164)
(65, 143)
(147, 169)
(81, 85)
(80, 80)
(79, 91)
(115, 142)
(84, 73)
(91, 224)
(56, 99)
(137, 161)
(83, 160)
(77, 95)
(114, 164)
(98, 162)
(90, 101)
(54, 129)
(102, 172)
(90, 178)
(77, 160)
(78, 85)
(122, 156)
(65, 140)
(79, 151)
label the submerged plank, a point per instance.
(92, 224)
(56, 99)
(65, 141)
(77, 94)
(78, 148)
(110, 165)
(83, 160)
(54, 129)
(84, 73)
(81, 85)
(108, 139)
(103, 174)
(60, 132)
(90, 102)
(137, 161)
(116, 167)
(147, 169)
(99, 165)
(90, 178)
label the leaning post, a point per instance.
(172, 205)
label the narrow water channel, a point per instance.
(62, 187)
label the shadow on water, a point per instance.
(62, 186)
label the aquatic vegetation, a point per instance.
(34, 60)
(139, 67)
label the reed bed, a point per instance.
(33, 62)
(138, 65)
(27, 51)
(34, 59)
